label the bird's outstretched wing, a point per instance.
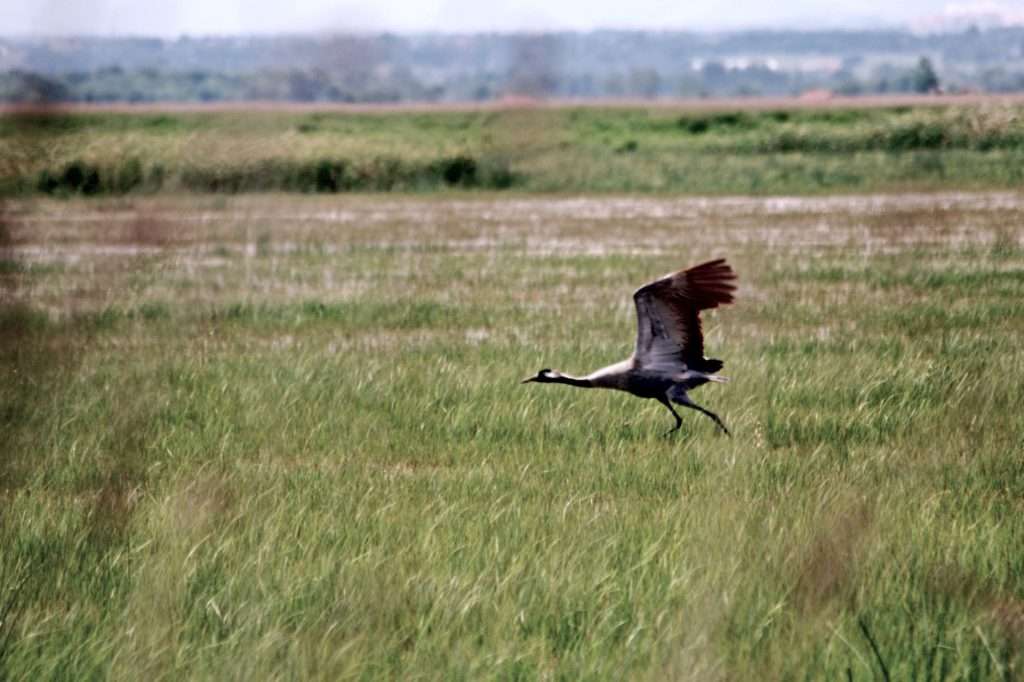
(668, 314)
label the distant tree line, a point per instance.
(437, 68)
(316, 85)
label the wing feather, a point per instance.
(668, 314)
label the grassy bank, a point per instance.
(550, 150)
(264, 438)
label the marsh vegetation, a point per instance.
(652, 150)
(274, 436)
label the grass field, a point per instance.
(976, 145)
(280, 437)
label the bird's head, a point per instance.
(545, 376)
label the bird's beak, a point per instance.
(528, 380)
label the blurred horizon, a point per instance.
(455, 51)
(260, 18)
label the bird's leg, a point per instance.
(686, 401)
(679, 420)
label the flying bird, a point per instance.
(668, 361)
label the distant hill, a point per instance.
(475, 67)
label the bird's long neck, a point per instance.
(572, 381)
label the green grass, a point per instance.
(273, 437)
(662, 150)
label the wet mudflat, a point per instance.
(236, 241)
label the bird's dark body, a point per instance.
(651, 384)
(669, 358)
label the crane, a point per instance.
(668, 360)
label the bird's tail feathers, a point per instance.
(710, 365)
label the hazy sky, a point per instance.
(197, 17)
